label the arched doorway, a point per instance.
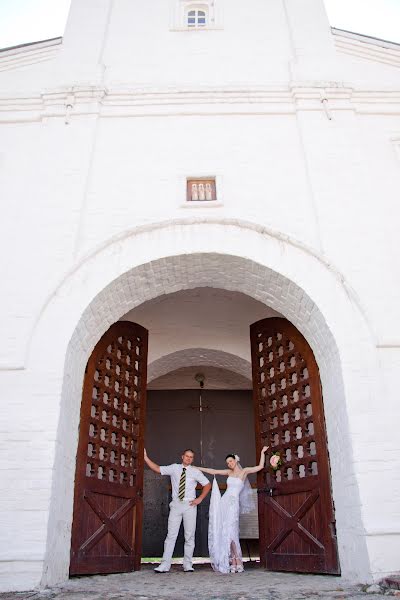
(296, 526)
(280, 275)
(201, 330)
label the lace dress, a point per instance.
(223, 526)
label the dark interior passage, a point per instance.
(174, 423)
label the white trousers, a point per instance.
(178, 511)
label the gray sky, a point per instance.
(24, 21)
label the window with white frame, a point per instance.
(197, 16)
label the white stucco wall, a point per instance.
(96, 143)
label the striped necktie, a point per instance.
(182, 483)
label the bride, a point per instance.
(223, 527)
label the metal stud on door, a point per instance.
(296, 516)
(108, 505)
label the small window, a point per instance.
(201, 190)
(196, 15)
(197, 18)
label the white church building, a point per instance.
(203, 188)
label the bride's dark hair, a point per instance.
(230, 456)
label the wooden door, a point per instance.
(296, 515)
(108, 505)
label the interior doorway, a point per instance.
(202, 330)
(222, 424)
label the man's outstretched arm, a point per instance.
(152, 465)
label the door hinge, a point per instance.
(268, 491)
(332, 527)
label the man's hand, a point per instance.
(199, 500)
(153, 466)
(195, 502)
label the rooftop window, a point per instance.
(197, 17)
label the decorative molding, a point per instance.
(26, 55)
(367, 39)
(30, 46)
(389, 346)
(368, 49)
(132, 102)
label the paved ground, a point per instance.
(204, 584)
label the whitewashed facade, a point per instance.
(99, 133)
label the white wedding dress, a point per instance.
(223, 525)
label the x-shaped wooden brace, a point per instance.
(292, 523)
(109, 524)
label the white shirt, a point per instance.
(193, 476)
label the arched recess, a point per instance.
(198, 357)
(283, 277)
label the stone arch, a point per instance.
(283, 277)
(123, 251)
(198, 357)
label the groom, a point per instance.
(184, 479)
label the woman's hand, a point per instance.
(260, 465)
(144, 452)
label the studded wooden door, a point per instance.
(108, 505)
(296, 515)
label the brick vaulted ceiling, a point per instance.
(202, 327)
